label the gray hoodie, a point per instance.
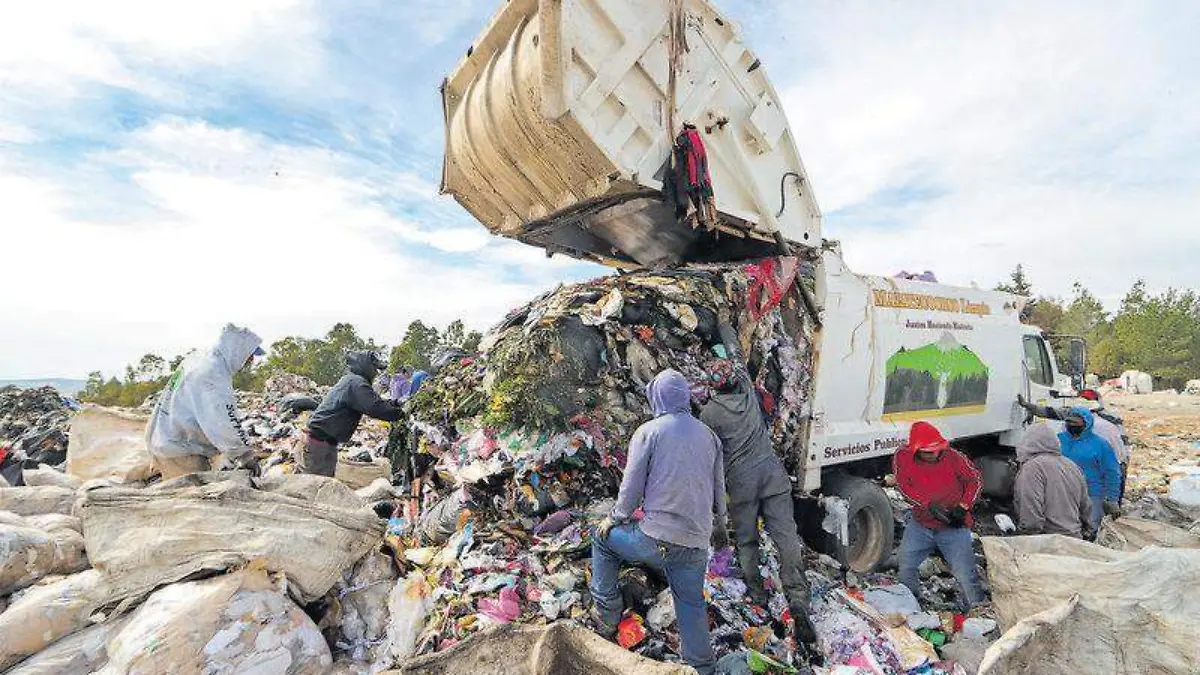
(675, 471)
(1051, 493)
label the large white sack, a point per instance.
(235, 623)
(80, 653)
(1140, 610)
(408, 605)
(363, 597)
(361, 474)
(43, 476)
(35, 501)
(311, 487)
(109, 444)
(144, 538)
(43, 614)
(379, 490)
(1135, 534)
(28, 553)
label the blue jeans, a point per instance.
(954, 543)
(684, 568)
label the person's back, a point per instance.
(342, 409)
(735, 415)
(1050, 494)
(678, 490)
(196, 414)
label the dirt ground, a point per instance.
(1164, 430)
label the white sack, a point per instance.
(28, 554)
(1134, 534)
(35, 501)
(108, 444)
(142, 539)
(44, 476)
(43, 614)
(80, 653)
(361, 474)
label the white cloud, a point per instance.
(1062, 136)
(283, 239)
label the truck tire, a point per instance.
(872, 524)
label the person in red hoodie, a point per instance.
(942, 485)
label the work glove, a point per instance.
(720, 537)
(604, 528)
(941, 513)
(1112, 509)
(958, 516)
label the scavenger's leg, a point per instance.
(685, 573)
(915, 546)
(745, 532)
(956, 547)
(624, 543)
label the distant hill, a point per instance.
(64, 386)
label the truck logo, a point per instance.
(938, 379)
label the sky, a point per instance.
(168, 167)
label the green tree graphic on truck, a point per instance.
(940, 378)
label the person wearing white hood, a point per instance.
(196, 417)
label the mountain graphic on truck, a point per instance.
(937, 379)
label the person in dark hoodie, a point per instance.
(337, 418)
(1098, 461)
(758, 486)
(942, 485)
(1051, 494)
(676, 475)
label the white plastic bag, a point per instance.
(236, 623)
(409, 604)
(46, 613)
(364, 601)
(108, 444)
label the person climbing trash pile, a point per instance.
(196, 417)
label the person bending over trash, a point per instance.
(337, 418)
(1097, 460)
(196, 417)
(676, 475)
(758, 486)
(1051, 494)
(942, 485)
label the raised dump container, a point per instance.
(561, 120)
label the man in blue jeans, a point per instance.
(675, 473)
(942, 485)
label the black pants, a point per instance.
(777, 513)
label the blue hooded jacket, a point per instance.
(1095, 458)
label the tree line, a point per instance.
(1155, 333)
(319, 359)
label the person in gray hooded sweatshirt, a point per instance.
(1051, 494)
(675, 474)
(758, 486)
(337, 418)
(196, 417)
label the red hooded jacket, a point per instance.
(949, 481)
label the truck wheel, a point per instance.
(872, 525)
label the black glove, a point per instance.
(720, 537)
(1112, 509)
(958, 516)
(941, 513)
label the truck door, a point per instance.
(1039, 370)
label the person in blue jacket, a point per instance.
(1098, 461)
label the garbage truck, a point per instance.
(569, 124)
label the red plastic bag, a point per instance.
(631, 631)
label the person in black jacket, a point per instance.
(336, 419)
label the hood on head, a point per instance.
(924, 436)
(235, 345)
(669, 393)
(1040, 439)
(1089, 420)
(363, 365)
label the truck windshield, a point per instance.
(1037, 361)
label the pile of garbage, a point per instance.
(529, 438)
(33, 427)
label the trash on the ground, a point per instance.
(236, 623)
(975, 628)
(33, 422)
(109, 444)
(363, 599)
(1070, 603)
(1134, 534)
